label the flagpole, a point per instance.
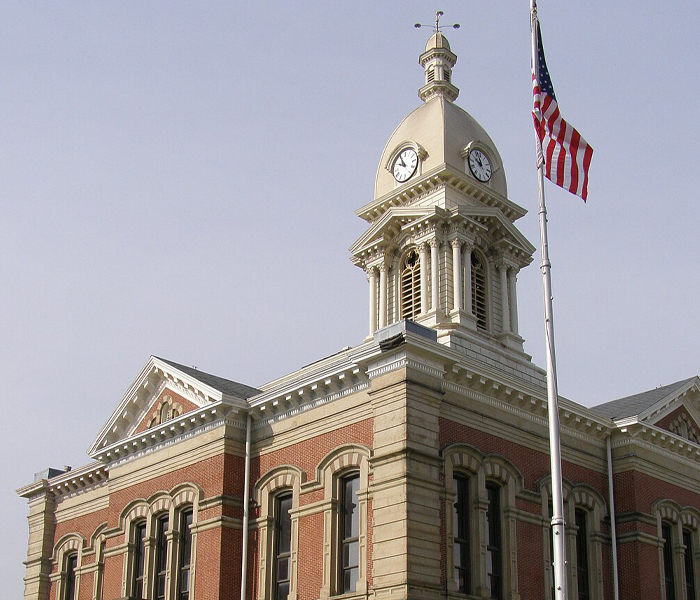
(558, 538)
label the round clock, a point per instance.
(480, 165)
(405, 165)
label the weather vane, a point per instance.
(438, 14)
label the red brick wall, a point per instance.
(114, 569)
(665, 423)
(310, 561)
(306, 455)
(532, 464)
(530, 561)
(187, 406)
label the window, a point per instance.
(160, 561)
(71, 566)
(480, 523)
(582, 555)
(668, 561)
(689, 570)
(478, 284)
(460, 526)
(139, 558)
(184, 555)
(283, 547)
(493, 541)
(349, 518)
(410, 285)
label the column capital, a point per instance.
(434, 242)
(503, 261)
(371, 272)
(456, 243)
(383, 267)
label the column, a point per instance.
(397, 289)
(505, 309)
(512, 276)
(467, 249)
(372, 278)
(457, 273)
(423, 278)
(435, 274)
(383, 269)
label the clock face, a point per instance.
(480, 165)
(405, 165)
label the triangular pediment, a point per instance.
(666, 407)
(678, 411)
(165, 390)
(479, 220)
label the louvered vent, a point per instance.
(431, 75)
(479, 292)
(447, 75)
(410, 286)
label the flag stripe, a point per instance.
(566, 155)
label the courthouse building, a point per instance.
(414, 465)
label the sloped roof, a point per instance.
(636, 404)
(232, 388)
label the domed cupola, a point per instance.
(442, 248)
(438, 61)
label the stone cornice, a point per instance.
(661, 441)
(88, 476)
(440, 175)
(153, 378)
(180, 428)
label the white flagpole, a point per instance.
(558, 538)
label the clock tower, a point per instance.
(441, 247)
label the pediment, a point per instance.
(483, 221)
(391, 223)
(678, 412)
(160, 383)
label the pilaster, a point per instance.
(406, 401)
(42, 526)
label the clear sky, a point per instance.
(180, 179)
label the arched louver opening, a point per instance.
(431, 75)
(478, 284)
(410, 286)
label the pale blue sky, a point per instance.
(180, 179)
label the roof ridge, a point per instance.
(223, 384)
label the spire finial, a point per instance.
(438, 27)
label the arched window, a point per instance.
(460, 526)
(349, 534)
(184, 555)
(678, 533)
(582, 569)
(70, 569)
(165, 412)
(494, 542)
(161, 557)
(481, 549)
(668, 561)
(138, 540)
(410, 285)
(478, 285)
(277, 495)
(282, 573)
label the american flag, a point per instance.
(564, 153)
